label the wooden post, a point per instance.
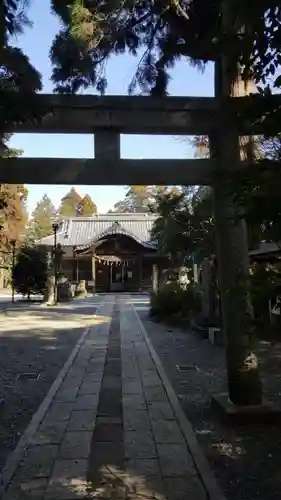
(244, 385)
(205, 287)
(155, 277)
(195, 269)
(94, 273)
(77, 270)
(110, 278)
(140, 271)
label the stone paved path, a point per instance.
(110, 432)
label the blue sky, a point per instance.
(36, 43)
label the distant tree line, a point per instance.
(71, 205)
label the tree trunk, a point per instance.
(244, 384)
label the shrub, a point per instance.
(171, 300)
(265, 285)
(30, 273)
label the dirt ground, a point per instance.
(245, 458)
(34, 341)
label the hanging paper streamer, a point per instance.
(113, 260)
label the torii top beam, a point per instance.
(86, 114)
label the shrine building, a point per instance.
(111, 252)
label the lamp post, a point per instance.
(55, 229)
(13, 242)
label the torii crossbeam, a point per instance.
(108, 117)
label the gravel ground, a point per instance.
(246, 458)
(39, 340)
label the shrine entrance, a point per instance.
(115, 274)
(123, 276)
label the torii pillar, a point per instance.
(244, 387)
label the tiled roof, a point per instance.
(266, 247)
(82, 231)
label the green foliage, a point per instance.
(30, 273)
(41, 221)
(136, 200)
(69, 204)
(257, 190)
(265, 285)
(185, 225)
(86, 207)
(19, 80)
(14, 17)
(95, 30)
(159, 34)
(171, 300)
(141, 199)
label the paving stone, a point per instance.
(58, 412)
(32, 489)
(107, 482)
(82, 420)
(110, 403)
(139, 444)
(82, 360)
(91, 378)
(160, 411)
(68, 481)
(113, 368)
(155, 393)
(75, 374)
(111, 382)
(49, 434)
(132, 387)
(136, 420)
(69, 384)
(106, 453)
(148, 369)
(107, 430)
(146, 467)
(184, 488)
(128, 355)
(175, 460)
(76, 444)
(75, 371)
(98, 344)
(114, 351)
(129, 376)
(86, 402)
(95, 367)
(166, 431)
(38, 462)
(152, 381)
(66, 395)
(134, 402)
(90, 388)
(139, 487)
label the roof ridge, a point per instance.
(125, 216)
